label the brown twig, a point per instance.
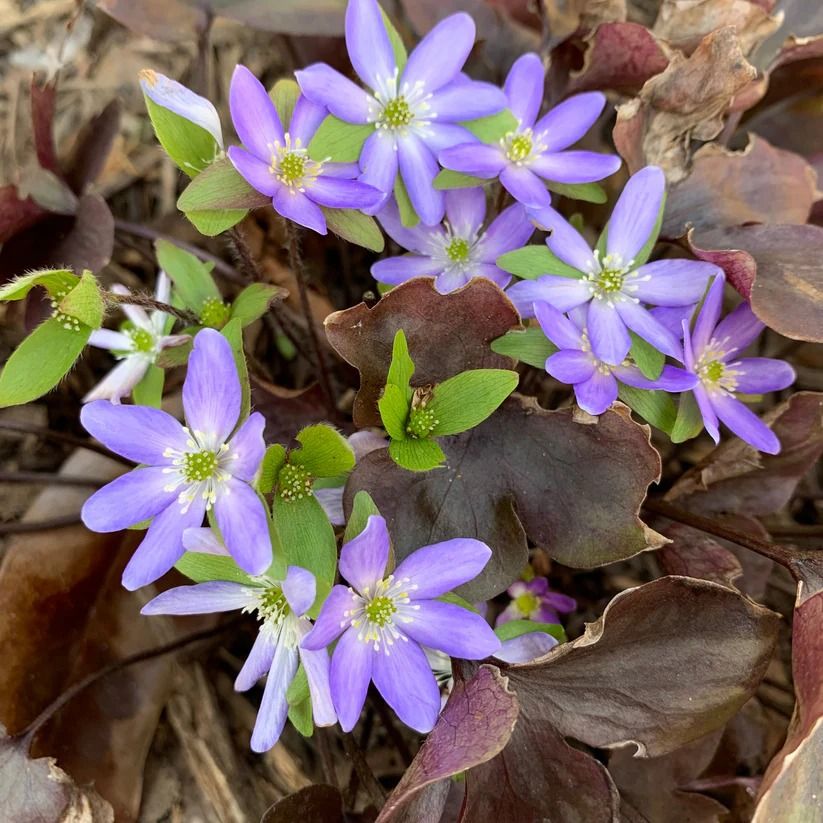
(48, 479)
(323, 738)
(60, 437)
(146, 302)
(366, 776)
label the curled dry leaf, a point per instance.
(318, 803)
(693, 554)
(515, 475)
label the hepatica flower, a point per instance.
(136, 345)
(459, 249)
(276, 162)
(186, 470)
(596, 381)
(612, 287)
(536, 151)
(281, 607)
(712, 351)
(533, 600)
(382, 622)
(414, 109)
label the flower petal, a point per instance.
(368, 44)
(111, 340)
(563, 293)
(331, 620)
(331, 501)
(451, 280)
(738, 329)
(557, 327)
(305, 120)
(204, 541)
(451, 629)
(317, 666)
(477, 159)
(643, 324)
(570, 366)
(349, 676)
(440, 55)
(459, 102)
(396, 270)
(672, 317)
(565, 242)
(596, 394)
(378, 162)
(608, 334)
(211, 390)
(363, 559)
(510, 230)
(670, 282)
(745, 423)
(201, 598)
(295, 206)
(575, 166)
(257, 663)
(525, 187)
(493, 273)
(707, 412)
(129, 499)
(247, 447)
(327, 87)
(418, 168)
(707, 319)
(253, 114)
(120, 381)
(763, 374)
(274, 707)
(524, 88)
(139, 433)
(338, 193)
(671, 378)
(440, 136)
(300, 589)
(415, 239)
(526, 647)
(241, 518)
(441, 567)
(635, 213)
(466, 210)
(567, 122)
(257, 173)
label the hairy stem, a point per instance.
(146, 302)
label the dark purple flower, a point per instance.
(536, 150)
(612, 287)
(276, 163)
(595, 382)
(414, 111)
(459, 249)
(186, 470)
(281, 607)
(533, 600)
(382, 622)
(712, 351)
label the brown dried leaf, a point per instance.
(318, 804)
(166, 20)
(694, 554)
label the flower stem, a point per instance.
(146, 302)
(367, 778)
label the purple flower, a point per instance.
(533, 600)
(384, 621)
(712, 350)
(536, 150)
(281, 607)
(276, 163)
(459, 249)
(595, 382)
(613, 288)
(414, 111)
(186, 470)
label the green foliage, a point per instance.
(192, 279)
(201, 567)
(492, 128)
(273, 461)
(655, 407)
(517, 628)
(299, 699)
(233, 332)
(84, 302)
(323, 452)
(588, 192)
(402, 366)
(416, 455)
(467, 399)
(689, 421)
(448, 179)
(394, 411)
(253, 302)
(210, 223)
(56, 282)
(356, 227)
(408, 216)
(529, 345)
(363, 507)
(531, 262)
(284, 95)
(339, 141)
(649, 360)
(149, 391)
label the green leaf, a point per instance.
(649, 360)
(588, 192)
(192, 278)
(467, 399)
(190, 146)
(402, 366)
(397, 44)
(40, 362)
(355, 227)
(253, 302)
(233, 332)
(176, 355)
(689, 421)
(284, 95)
(324, 451)
(492, 128)
(362, 508)
(394, 411)
(517, 628)
(55, 281)
(149, 391)
(527, 345)
(84, 302)
(655, 407)
(531, 262)
(220, 187)
(273, 460)
(339, 141)
(448, 179)
(202, 567)
(416, 455)
(212, 223)
(408, 216)
(299, 701)
(456, 600)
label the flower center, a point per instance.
(397, 107)
(607, 276)
(142, 339)
(294, 482)
(271, 605)
(380, 610)
(198, 466)
(377, 612)
(458, 250)
(526, 603)
(421, 423)
(214, 313)
(291, 165)
(519, 148)
(713, 371)
(396, 114)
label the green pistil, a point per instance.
(610, 281)
(273, 605)
(526, 603)
(143, 340)
(458, 250)
(421, 423)
(520, 147)
(713, 371)
(380, 610)
(291, 168)
(294, 482)
(199, 466)
(396, 114)
(214, 313)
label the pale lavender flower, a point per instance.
(186, 470)
(277, 164)
(414, 111)
(596, 382)
(383, 621)
(136, 346)
(281, 607)
(712, 350)
(612, 288)
(534, 600)
(459, 249)
(536, 151)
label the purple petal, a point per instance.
(561, 602)
(162, 546)
(708, 317)
(670, 282)
(317, 665)
(305, 120)
(255, 172)
(466, 101)
(396, 270)
(337, 193)
(440, 55)
(368, 43)
(415, 239)
(635, 213)
(120, 381)
(736, 331)
(707, 412)
(253, 114)
(204, 541)
(763, 374)
(247, 448)
(331, 501)
(570, 366)
(524, 88)
(466, 210)
(300, 589)
(476, 159)
(493, 273)
(418, 168)
(563, 293)
(404, 678)
(575, 166)
(349, 676)
(274, 707)
(378, 162)
(295, 206)
(129, 499)
(441, 136)
(568, 122)
(526, 647)
(671, 379)
(257, 663)
(745, 423)
(241, 518)
(510, 230)
(211, 390)
(332, 617)
(609, 338)
(557, 327)
(451, 629)
(451, 280)
(327, 87)
(565, 242)
(643, 324)
(441, 567)
(202, 598)
(596, 394)
(672, 317)
(525, 187)
(363, 559)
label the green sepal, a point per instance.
(654, 406)
(467, 399)
(689, 421)
(531, 262)
(284, 94)
(648, 359)
(517, 628)
(253, 302)
(355, 227)
(402, 366)
(529, 345)
(54, 281)
(323, 452)
(339, 141)
(149, 391)
(192, 279)
(408, 216)
(363, 507)
(273, 460)
(456, 600)
(202, 567)
(416, 455)
(233, 332)
(394, 411)
(210, 223)
(220, 187)
(448, 179)
(173, 356)
(588, 192)
(492, 128)
(84, 302)
(298, 698)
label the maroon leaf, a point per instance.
(516, 475)
(693, 554)
(318, 804)
(93, 146)
(42, 118)
(16, 214)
